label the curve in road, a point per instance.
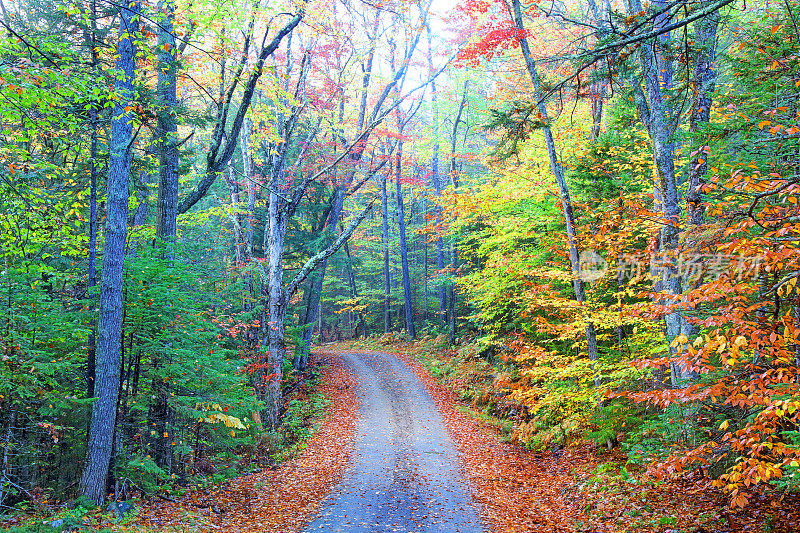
(404, 476)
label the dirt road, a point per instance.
(404, 476)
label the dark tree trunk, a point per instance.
(167, 206)
(454, 171)
(437, 185)
(92, 281)
(387, 285)
(401, 226)
(351, 276)
(597, 108)
(104, 409)
(317, 280)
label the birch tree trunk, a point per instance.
(270, 387)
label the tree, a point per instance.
(515, 13)
(109, 328)
(166, 209)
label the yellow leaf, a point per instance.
(724, 425)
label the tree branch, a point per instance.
(312, 263)
(214, 163)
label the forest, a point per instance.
(578, 220)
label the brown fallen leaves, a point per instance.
(283, 499)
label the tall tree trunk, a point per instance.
(104, 409)
(451, 287)
(401, 226)
(167, 203)
(425, 277)
(387, 275)
(703, 84)
(91, 342)
(270, 387)
(657, 74)
(437, 185)
(558, 172)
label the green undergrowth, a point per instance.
(305, 406)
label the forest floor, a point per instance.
(397, 450)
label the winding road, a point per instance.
(404, 476)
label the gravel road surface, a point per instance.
(404, 476)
